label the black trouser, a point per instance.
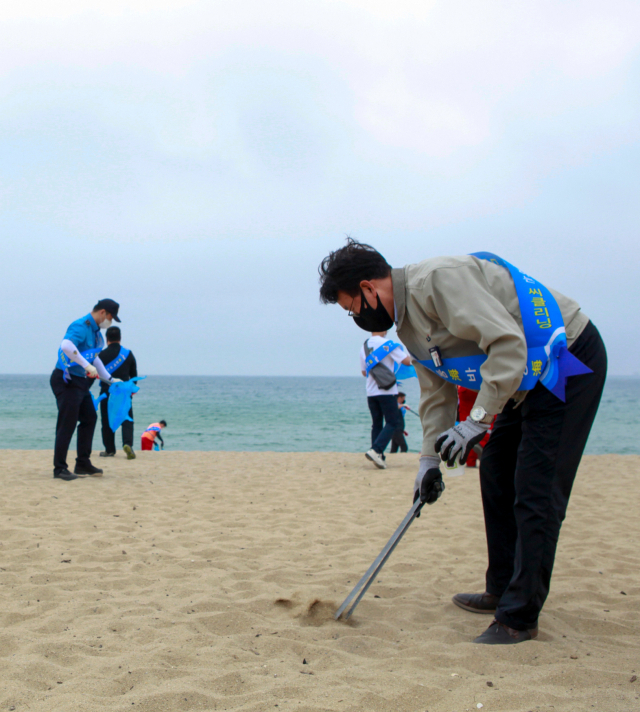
(382, 407)
(398, 441)
(75, 405)
(108, 436)
(526, 474)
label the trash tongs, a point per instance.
(380, 561)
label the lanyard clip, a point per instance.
(436, 357)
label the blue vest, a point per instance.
(64, 363)
(85, 335)
(548, 358)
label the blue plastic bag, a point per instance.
(120, 401)
(96, 401)
(403, 372)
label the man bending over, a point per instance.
(538, 363)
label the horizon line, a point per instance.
(263, 375)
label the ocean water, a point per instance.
(288, 414)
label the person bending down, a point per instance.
(151, 433)
(538, 363)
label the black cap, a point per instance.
(110, 306)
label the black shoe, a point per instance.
(64, 475)
(107, 454)
(88, 470)
(500, 634)
(477, 602)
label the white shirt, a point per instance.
(396, 355)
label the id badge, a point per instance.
(436, 356)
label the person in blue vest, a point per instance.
(77, 366)
(120, 363)
(538, 364)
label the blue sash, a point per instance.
(64, 362)
(400, 371)
(374, 358)
(548, 358)
(118, 360)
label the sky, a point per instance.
(195, 161)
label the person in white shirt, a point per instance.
(381, 398)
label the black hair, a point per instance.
(344, 269)
(400, 393)
(113, 333)
(163, 422)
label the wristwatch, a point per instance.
(479, 415)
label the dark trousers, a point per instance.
(526, 474)
(75, 406)
(108, 436)
(382, 408)
(398, 442)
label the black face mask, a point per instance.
(371, 319)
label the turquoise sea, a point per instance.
(295, 414)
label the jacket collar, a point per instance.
(92, 322)
(399, 297)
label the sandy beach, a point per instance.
(207, 581)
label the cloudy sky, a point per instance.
(196, 160)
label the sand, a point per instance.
(207, 581)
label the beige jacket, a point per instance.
(466, 306)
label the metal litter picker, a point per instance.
(363, 585)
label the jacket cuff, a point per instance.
(428, 448)
(493, 406)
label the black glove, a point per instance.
(428, 485)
